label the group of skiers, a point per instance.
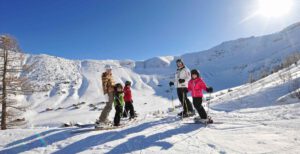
(117, 96)
(185, 81)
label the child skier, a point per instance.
(128, 101)
(118, 103)
(195, 86)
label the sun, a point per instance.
(274, 8)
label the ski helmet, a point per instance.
(194, 71)
(108, 67)
(127, 83)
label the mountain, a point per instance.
(258, 117)
(62, 83)
(229, 64)
(261, 117)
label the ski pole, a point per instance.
(208, 102)
(184, 103)
(171, 89)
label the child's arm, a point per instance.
(121, 99)
(203, 85)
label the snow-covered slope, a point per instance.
(262, 117)
(230, 63)
(73, 88)
(64, 83)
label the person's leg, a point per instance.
(125, 113)
(105, 112)
(180, 94)
(118, 115)
(131, 108)
(187, 101)
(196, 102)
(198, 105)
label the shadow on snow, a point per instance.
(133, 144)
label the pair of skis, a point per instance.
(110, 126)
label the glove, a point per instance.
(181, 80)
(171, 83)
(209, 89)
(186, 90)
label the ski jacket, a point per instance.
(107, 83)
(127, 94)
(119, 99)
(196, 86)
(183, 73)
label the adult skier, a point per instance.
(182, 78)
(108, 89)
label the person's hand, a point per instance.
(209, 89)
(171, 83)
(181, 80)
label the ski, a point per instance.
(201, 123)
(109, 127)
(92, 127)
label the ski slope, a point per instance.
(262, 117)
(63, 83)
(264, 120)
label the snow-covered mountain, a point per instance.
(224, 66)
(230, 63)
(264, 117)
(258, 117)
(63, 83)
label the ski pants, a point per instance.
(185, 102)
(105, 112)
(128, 108)
(197, 102)
(119, 111)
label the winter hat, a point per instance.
(108, 67)
(127, 83)
(194, 71)
(179, 61)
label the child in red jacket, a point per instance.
(128, 101)
(196, 86)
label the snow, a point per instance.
(261, 117)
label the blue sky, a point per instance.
(132, 29)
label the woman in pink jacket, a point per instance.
(196, 86)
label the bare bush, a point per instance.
(251, 78)
(291, 59)
(12, 84)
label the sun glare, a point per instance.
(274, 8)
